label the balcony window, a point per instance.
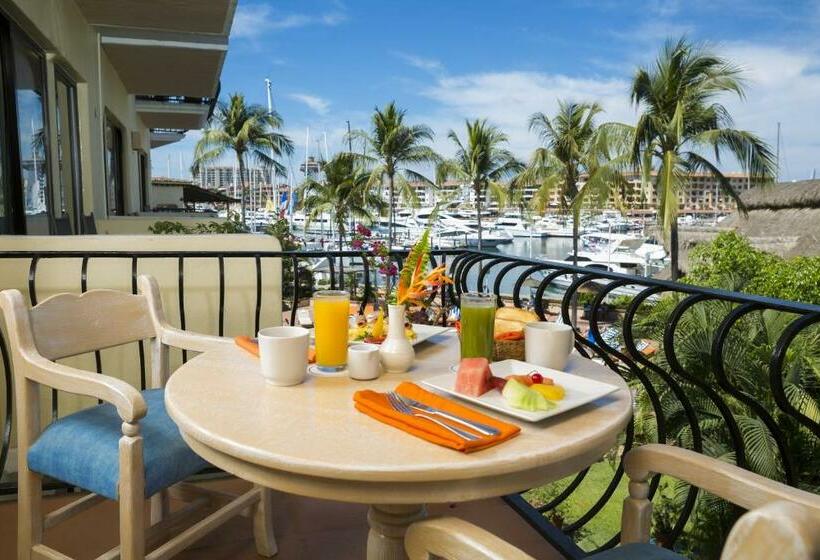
(67, 196)
(114, 191)
(30, 85)
(24, 136)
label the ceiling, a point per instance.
(166, 70)
(187, 16)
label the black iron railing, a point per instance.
(722, 373)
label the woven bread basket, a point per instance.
(509, 350)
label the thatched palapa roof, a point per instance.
(783, 218)
(800, 194)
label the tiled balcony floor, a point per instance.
(306, 529)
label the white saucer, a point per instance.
(317, 371)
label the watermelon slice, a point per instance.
(473, 377)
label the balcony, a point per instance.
(174, 113)
(711, 371)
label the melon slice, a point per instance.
(522, 397)
(473, 377)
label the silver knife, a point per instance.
(477, 426)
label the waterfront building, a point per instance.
(311, 167)
(224, 179)
(701, 195)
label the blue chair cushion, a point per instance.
(82, 449)
(637, 551)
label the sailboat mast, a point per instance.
(307, 149)
(777, 156)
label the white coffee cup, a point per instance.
(548, 344)
(363, 361)
(283, 354)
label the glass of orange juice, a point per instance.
(331, 312)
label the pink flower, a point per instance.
(362, 230)
(389, 269)
(357, 244)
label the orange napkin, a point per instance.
(250, 344)
(376, 405)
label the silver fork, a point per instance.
(399, 405)
(477, 426)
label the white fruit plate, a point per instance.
(579, 390)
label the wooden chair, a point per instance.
(783, 522)
(89, 224)
(126, 450)
(60, 226)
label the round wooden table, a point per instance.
(310, 440)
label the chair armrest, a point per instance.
(195, 342)
(128, 401)
(452, 538)
(730, 482)
(172, 336)
(777, 530)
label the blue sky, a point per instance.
(444, 61)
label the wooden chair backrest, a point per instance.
(89, 224)
(71, 324)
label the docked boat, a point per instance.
(489, 238)
(556, 228)
(517, 227)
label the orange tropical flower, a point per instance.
(418, 289)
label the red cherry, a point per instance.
(537, 377)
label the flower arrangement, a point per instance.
(415, 285)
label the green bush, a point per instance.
(168, 228)
(796, 279)
(232, 225)
(730, 262)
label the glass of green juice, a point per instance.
(477, 325)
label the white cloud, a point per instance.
(427, 64)
(321, 106)
(253, 20)
(664, 8)
(783, 86)
(507, 99)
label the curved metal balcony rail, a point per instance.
(723, 373)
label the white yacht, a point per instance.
(556, 228)
(614, 222)
(619, 252)
(489, 238)
(517, 227)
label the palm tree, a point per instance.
(576, 149)
(388, 148)
(681, 120)
(250, 132)
(482, 163)
(343, 194)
